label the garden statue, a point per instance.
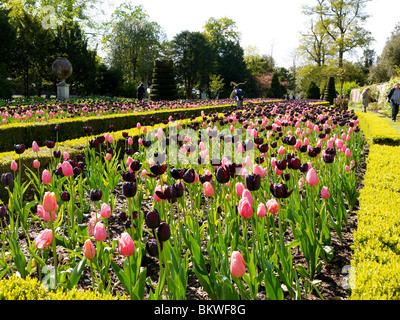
(62, 68)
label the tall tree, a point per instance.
(133, 43)
(343, 21)
(389, 59)
(7, 49)
(315, 44)
(193, 58)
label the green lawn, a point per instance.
(394, 125)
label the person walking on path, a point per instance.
(140, 92)
(365, 99)
(394, 99)
(239, 97)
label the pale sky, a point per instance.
(271, 26)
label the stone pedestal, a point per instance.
(62, 91)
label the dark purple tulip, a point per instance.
(189, 176)
(303, 148)
(87, 130)
(101, 139)
(295, 163)
(253, 182)
(146, 143)
(122, 216)
(94, 143)
(292, 141)
(57, 154)
(95, 195)
(152, 248)
(263, 148)
(222, 175)
(163, 231)
(286, 176)
(128, 176)
(282, 164)
(111, 127)
(153, 219)
(129, 151)
(77, 171)
(329, 158)
(7, 180)
(313, 152)
(136, 165)
(304, 168)
(274, 144)
(65, 196)
(19, 148)
(129, 189)
(125, 134)
(158, 169)
(176, 173)
(280, 191)
(177, 190)
(3, 212)
(205, 178)
(50, 144)
(57, 128)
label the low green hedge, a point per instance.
(26, 133)
(376, 259)
(16, 288)
(73, 128)
(377, 130)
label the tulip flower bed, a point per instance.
(119, 118)
(244, 205)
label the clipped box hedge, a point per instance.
(376, 259)
(16, 288)
(377, 130)
(26, 133)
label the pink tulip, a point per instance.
(325, 193)
(50, 202)
(261, 210)
(208, 189)
(312, 178)
(43, 240)
(247, 194)
(100, 232)
(130, 141)
(138, 125)
(108, 156)
(66, 156)
(245, 208)
(126, 245)
(14, 166)
(347, 168)
(89, 250)
(273, 206)
(281, 150)
(36, 164)
(105, 211)
(301, 183)
(348, 153)
(238, 267)
(67, 169)
(257, 169)
(145, 130)
(46, 177)
(239, 187)
(35, 147)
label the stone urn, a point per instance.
(62, 68)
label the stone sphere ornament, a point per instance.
(62, 68)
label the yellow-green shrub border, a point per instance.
(16, 288)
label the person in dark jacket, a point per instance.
(394, 99)
(140, 92)
(239, 96)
